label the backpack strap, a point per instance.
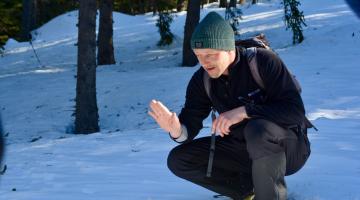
(206, 80)
(251, 57)
(207, 85)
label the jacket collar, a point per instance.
(236, 61)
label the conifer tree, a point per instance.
(163, 23)
(233, 15)
(222, 3)
(294, 19)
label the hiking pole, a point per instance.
(36, 55)
(212, 146)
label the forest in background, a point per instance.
(11, 12)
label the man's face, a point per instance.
(215, 62)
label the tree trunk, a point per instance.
(141, 7)
(242, 2)
(180, 5)
(28, 19)
(86, 113)
(154, 6)
(254, 1)
(105, 37)
(147, 6)
(232, 3)
(222, 3)
(131, 6)
(192, 20)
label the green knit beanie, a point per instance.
(213, 32)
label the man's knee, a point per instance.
(260, 138)
(173, 160)
(255, 132)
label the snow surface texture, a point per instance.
(127, 159)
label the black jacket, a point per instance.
(280, 103)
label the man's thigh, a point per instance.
(230, 154)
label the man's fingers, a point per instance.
(152, 102)
(222, 128)
(227, 127)
(217, 125)
(153, 115)
(220, 125)
(163, 108)
(159, 108)
(213, 127)
(154, 106)
(173, 116)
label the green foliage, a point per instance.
(48, 9)
(134, 7)
(164, 5)
(163, 23)
(10, 19)
(294, 19)
(11, 13)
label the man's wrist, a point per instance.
(176, 133)
(243, 113)
(246, 116)
(183, 135)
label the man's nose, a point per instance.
(205, 61)
(204, 64)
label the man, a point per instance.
(261, 133)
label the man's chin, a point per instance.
(214, 75)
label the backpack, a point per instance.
(250, 45)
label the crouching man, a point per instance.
(261, 132)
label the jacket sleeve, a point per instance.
(197, 105)
(283, 104)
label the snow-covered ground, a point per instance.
(127, 159)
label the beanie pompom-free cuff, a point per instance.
(207, 43)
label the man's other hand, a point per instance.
(226, 119)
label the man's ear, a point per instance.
(232, 55)
(230, 52)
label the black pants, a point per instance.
(232, 172)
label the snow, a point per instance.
(127, 159)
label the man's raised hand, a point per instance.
(167, 120)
